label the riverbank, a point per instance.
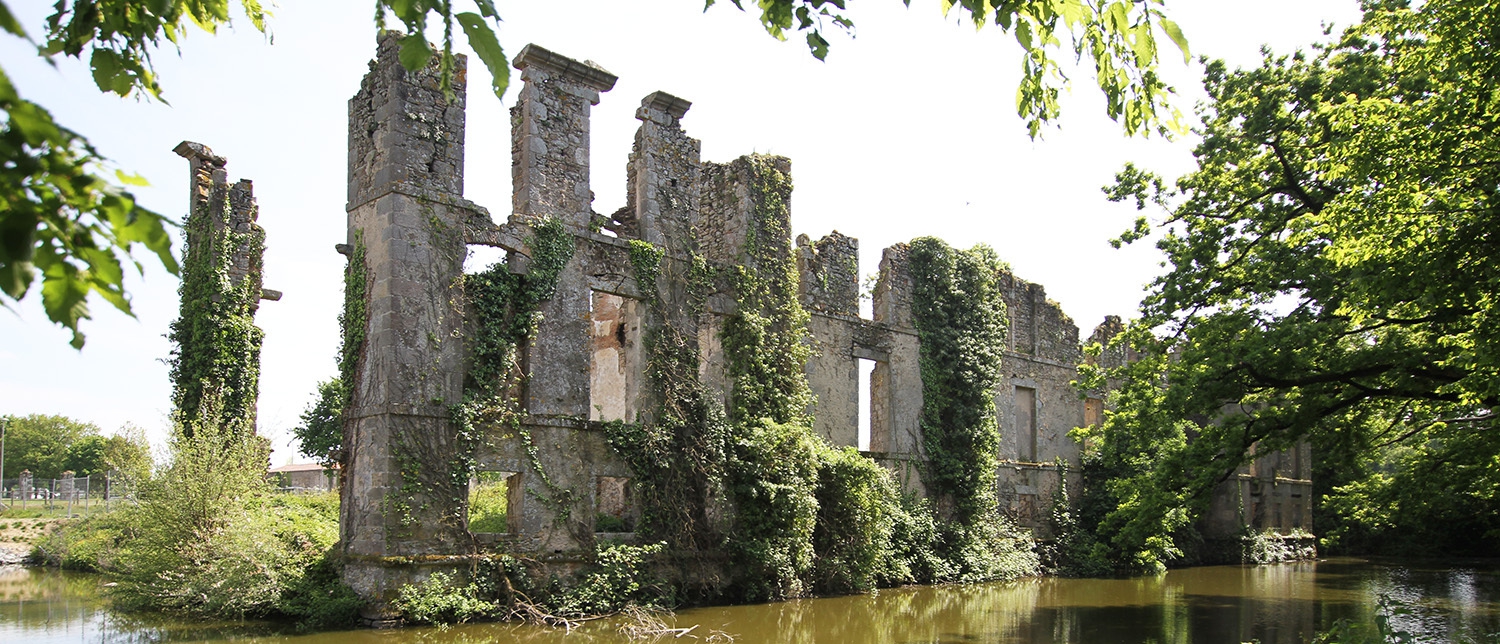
(20, 536)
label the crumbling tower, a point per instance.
(406, 217)
(217, 353)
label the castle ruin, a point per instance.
(410, 228)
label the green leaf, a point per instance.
(131, 178)
(818, 45)
(487, 47)
(487, 8)
(1143, 44)
(9, 23)
(1175, 33)
(415, 52)
(34, 123)
(64, 297)
(111, 72)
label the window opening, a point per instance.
(867, 402)
(494, 499)
(614, 356)
(1026, 424)
(614, 505)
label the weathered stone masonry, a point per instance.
(585, 364)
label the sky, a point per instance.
(907, 129)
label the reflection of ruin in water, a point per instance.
(1271, 604)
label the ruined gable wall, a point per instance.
(829, 290)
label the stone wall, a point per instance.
(1037, 405)
(406, 212)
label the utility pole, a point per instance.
(4, 425)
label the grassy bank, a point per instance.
(268, 559)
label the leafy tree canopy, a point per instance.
(43, 444)
(321, 434)
(1332, 270)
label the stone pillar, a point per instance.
(406, 213)
(228, 206)
(550, 167)
(550, 135)
(25, 486)
(220, 233)
(663, 174)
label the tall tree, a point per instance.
(1332, 269)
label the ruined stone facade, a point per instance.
(217, 345)
(585, 364)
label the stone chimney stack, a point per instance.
(550, 136)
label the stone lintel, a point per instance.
(662, 108)
(199, 153)
(585, 73)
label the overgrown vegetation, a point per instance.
(1331, 277)
(210, 538)
(500, 588)
(217, 345)
(960, 318)
(806, 517)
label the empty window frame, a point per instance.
(494, 501)
(614, 505)
(867, 402)
(1025, 402)
(615, 357)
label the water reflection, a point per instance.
(1272, 604)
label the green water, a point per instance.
(1271, 604)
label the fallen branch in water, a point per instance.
(649, 624)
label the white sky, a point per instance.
(907, 130)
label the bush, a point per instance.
(856, 505)
(773, 479)
(618, 579)
(439, 599)
(210, 538)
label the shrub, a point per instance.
(856, 505)
(619, 578)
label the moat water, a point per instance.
(1269, 604)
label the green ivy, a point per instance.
(217, 349)
(355, 317)
(505, 307)
(961, 322)
(646, 258)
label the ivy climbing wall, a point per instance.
(215, 362)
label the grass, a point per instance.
(487, 503)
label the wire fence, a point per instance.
(71, 495)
